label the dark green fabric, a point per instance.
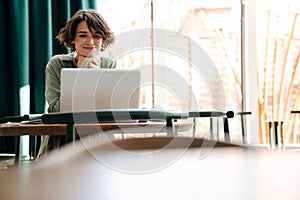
(27, 37)
(40, 51)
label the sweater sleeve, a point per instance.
(107, 63)
(52, 91)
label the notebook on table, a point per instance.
(98, 89)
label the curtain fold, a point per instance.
(27, 36)
(40, 51)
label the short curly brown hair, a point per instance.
(94, 21)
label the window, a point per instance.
(278, 51)
(195, 62)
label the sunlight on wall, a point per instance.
(24, 109)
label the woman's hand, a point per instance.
(89, 62)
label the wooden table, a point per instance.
(8, 129)
(19, 129)
(118, 115)
(157, 172)
(82, 123)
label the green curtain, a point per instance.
(27, 37)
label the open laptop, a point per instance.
(95, 89)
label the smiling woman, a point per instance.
(86, 34)
(87, 44)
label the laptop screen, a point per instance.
(97, 89)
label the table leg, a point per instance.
(194, 127)
(226, 130)
(211, 128)
(270, 135)
(282, 134)
(70, 135)
(170, 127)
(17, 150)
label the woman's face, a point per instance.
(87, 43)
